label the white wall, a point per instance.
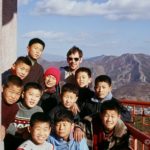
(8, 40)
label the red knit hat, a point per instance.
(54, 72)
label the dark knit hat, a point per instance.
(54, 72)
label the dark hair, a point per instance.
(69, 87)
(63, 115)
(36, 40)
(39, 117)
(112, 104)
(73, 50)
(83, 69)
(34, 85)
(103, 78)
(13, 80)
(23, 59)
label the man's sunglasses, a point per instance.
(70, 58)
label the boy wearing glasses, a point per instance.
(74, 59)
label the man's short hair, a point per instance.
(103, 78)
(73, 50)
(36, 40)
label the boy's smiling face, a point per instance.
(68, 99)
(12, 93)
(50, 81)
(21, 70)
(40, 132)
(110, 119)
(83, 80)
(31, 97)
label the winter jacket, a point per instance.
(60, 144)
(93, 105)
(99, 139)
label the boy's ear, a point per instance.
(28, 49)
(13, 66)
(29, 129)
(2, 88)
(22, 95)
(76, 99)
(90, 80)
(110, 88)
(94, 88)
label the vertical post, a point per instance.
(1, 142)
(8, 33)
(8, 39)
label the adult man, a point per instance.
(74, 59)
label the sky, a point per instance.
(97, 27)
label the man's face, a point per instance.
(110, 119)
(12, 94)
(74, 61)
(40, 132)
(31, 97)
(63, 129)
(21, 70)
(35, 51)
(102, 89)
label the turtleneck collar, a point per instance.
(32, 60)
(108, 97)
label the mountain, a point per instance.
(130, 73)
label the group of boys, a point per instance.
(56, 109)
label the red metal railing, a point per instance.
(137, 135)
(138, 109)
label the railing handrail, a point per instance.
(137, 134)
(132, 102)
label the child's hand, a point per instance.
(2, 132)
(78, 134)
(75, 109)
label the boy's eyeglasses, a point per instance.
(76, 59)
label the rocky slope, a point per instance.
(130, 73)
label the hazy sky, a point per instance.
(98, 27)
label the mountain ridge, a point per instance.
(129, 72)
